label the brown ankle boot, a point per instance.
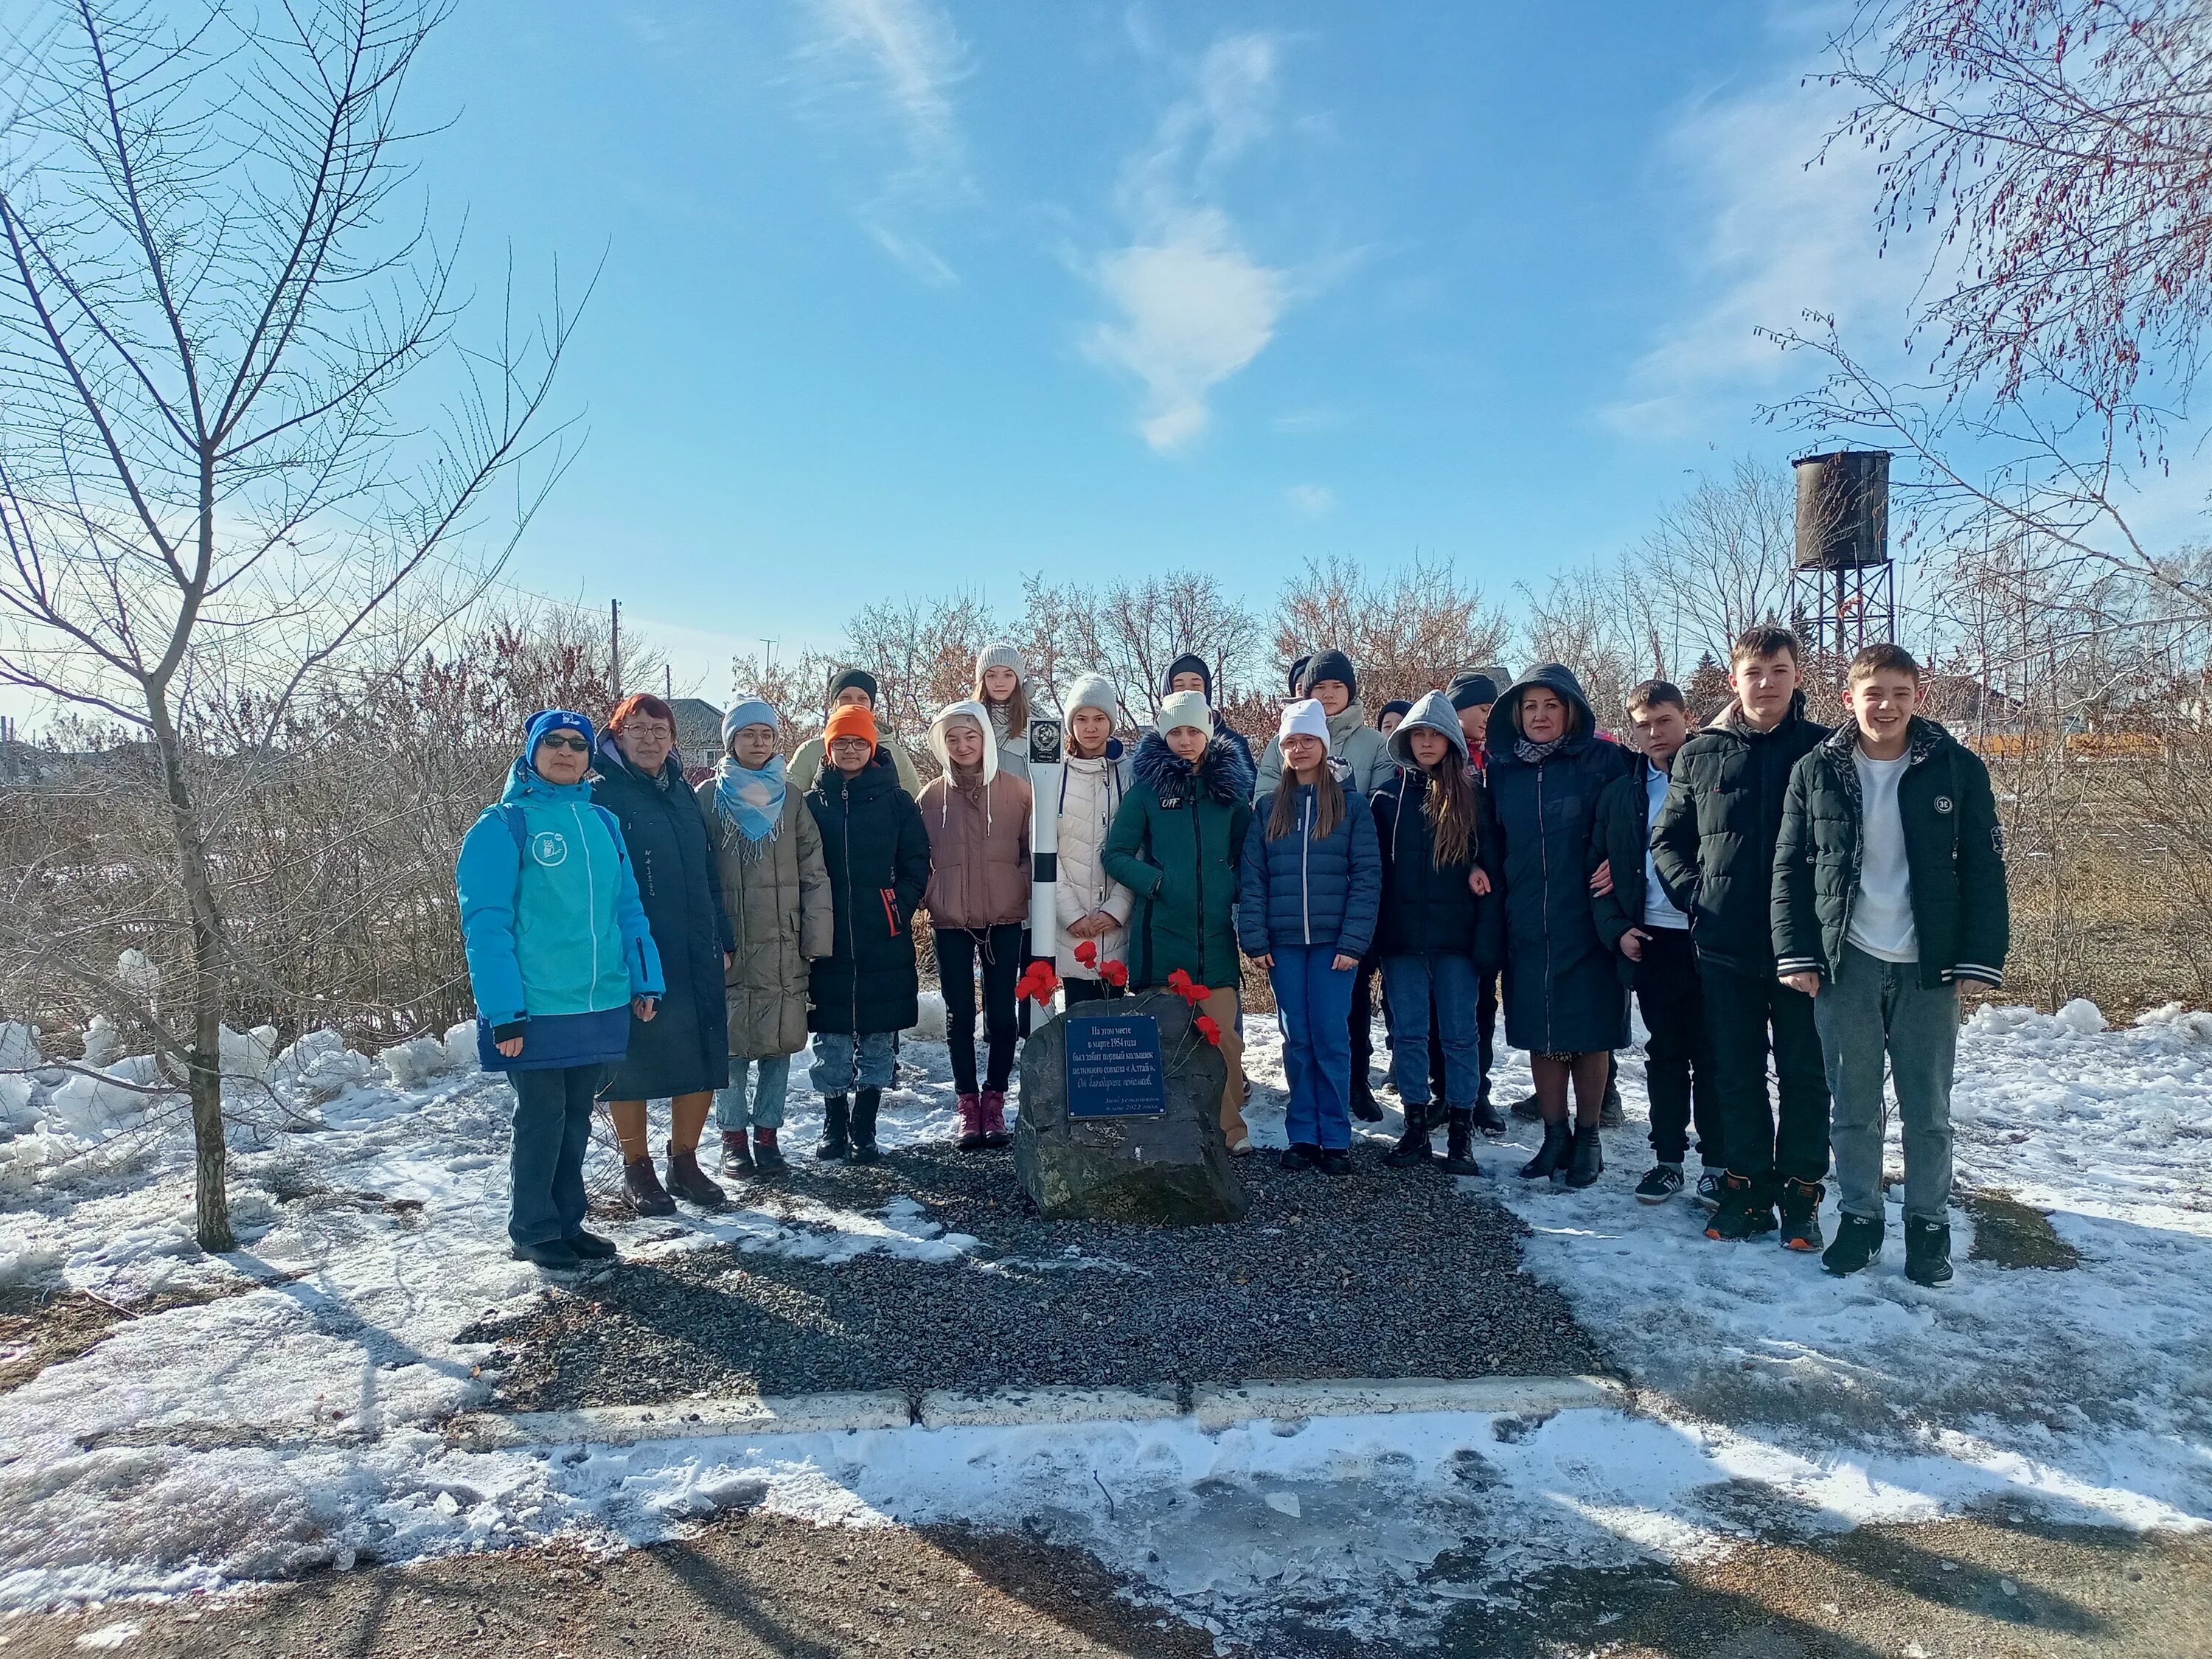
(737, 1153)
(689, 1181)
(641, 1185)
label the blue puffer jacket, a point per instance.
(552, 926)
(1300, 891)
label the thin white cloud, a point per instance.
(1191, 304)
(1775, 233)
(897, 62)
(1310, 501)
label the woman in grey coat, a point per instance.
(776, 894)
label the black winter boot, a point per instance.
(1858, 1244)
(1745, 1209)
(836, 1118)
(1487, 1120)
(1528, 1110)
(1585, 1163)
(1365, 1106)
(1459, 1144)
(642, 1187)
(1411, 1151)
(863, 1126)
(1609, 1114)
(1800, 1214)
(1558, 1139)
(1927, 1253)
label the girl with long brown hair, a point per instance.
(1431, 934)
(1311, 883)
(1002, 686)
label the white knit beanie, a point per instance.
(1186, 708)
(1304, 718)
(1000, 654)
(1093, 691)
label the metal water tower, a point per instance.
(1843, 588)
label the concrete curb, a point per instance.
(1213, 1406)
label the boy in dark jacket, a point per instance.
(1889, 889)
(864, 991)
(1712, 849)
(1651, 939)
(1178, 844)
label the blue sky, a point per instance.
(901, 296)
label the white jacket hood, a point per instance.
(975, 712)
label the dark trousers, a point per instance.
(545, 1196)
(1082, 990)
(1362, 1020)
(1678, 1063)
(1000, 951)
(1744, 1014)
(1485, 1020)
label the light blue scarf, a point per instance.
(751, 800)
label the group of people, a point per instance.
(1763, 886)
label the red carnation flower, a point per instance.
(1179, 983)
(1115, 974)
(1194, 994)
(1041, 982)
(1086, 952)
(1209, 1027)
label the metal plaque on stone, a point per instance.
(1114, 1066)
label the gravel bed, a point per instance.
(1382, 1273)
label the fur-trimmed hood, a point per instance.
(1223, 772)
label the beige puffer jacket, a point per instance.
(779, 907)
(1090, 794)
(979, 844)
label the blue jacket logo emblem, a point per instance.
(549, 847)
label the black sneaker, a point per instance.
(590, 1246)
(1661, 1183)
(554, 1252)
(1298, 1156)
(1710, 1185)
(1858, 1243)
(1800, 1214)
(1927, 1253)
(1745, 1210)
(1336, 1161)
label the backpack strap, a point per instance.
(510, 814)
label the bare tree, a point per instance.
(1407, 632)
(1586, 621)
(206, 495)
(1131, 631)
(922, 653)
(1716, 562)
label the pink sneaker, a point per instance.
(972, 1123)
(994, 1118)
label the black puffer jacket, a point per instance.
(685, 1046)
(1713, 845)
(1428, 909)
(877, 851)
(1562, 994)
(1954, 849)
(1620, 833)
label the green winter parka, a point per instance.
(1178, 844)
(1954, 849)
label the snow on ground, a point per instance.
(300, 1418)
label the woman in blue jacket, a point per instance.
(1312, 882)
(559, 955)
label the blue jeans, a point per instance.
(1412, 981)
(768, 1094)
(545, 1196)
(844, 1062)
(1868, 1011)
(1313, 1007)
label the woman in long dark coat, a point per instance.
(683, 1054)
(1563, 997)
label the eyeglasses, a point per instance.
(565, 740)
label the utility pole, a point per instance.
(614, 633)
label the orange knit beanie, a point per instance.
(852, 720)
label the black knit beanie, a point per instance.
(1471, 690)
(1330, 665)
(1190, 663)
(846, 678)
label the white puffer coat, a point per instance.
(1090, 794)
